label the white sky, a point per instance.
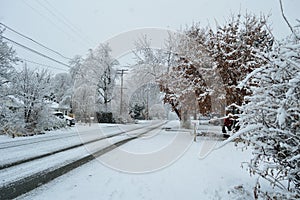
(90, 22)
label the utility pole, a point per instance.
(121, 72)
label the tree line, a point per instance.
(30, 96)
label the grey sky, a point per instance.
(73, 26)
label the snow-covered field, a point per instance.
(188, 175)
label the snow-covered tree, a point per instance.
(154, 66)
(7, 59)
(30, 109)
(62, 89)
(84, 103)
(96, 71)
(151, 63)
(106, 82)
(210, 64)
(270, 121)
(186, 78)
(121, 115)
(75, 64)
(143, 98)
(237, 49)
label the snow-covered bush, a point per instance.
(46, 121)
(11, 122)
(28, 109)
(271, 121)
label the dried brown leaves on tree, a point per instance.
(210, 64)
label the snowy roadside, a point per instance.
(79, 134)
(14, 149)
(79, 127)
(188, 177)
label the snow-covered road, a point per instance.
(94, 138)
(188, 176)
(15, 149)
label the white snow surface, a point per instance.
(15, 149)
(218, 175)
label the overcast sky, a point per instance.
(73, 26)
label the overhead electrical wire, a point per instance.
(69, 22)
(54, 24)
(40, 64)
(56, 52)
(35, 51)
(60, 17)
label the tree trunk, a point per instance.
(185, 121)
(177, 111)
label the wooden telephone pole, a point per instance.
(121, 72)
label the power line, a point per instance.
(54, 24)
(11, 29)
(66, 21)
(40, 64)
(34, 51)
(62, 21)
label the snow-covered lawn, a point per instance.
(189, 177)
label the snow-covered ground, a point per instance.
(16, 149)
(190, 172)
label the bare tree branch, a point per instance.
(285, 19)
